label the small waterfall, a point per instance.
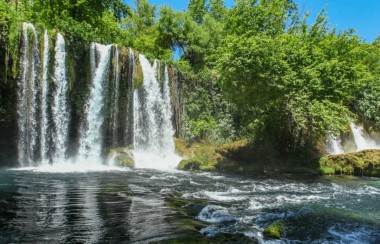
(334, 145)
(153, 130)
(60, 104)
(28, 98)
(44, 99)
(90, 142)
(361, 141)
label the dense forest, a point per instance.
(256, 71)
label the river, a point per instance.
(131, 206)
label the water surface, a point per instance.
(130, 206)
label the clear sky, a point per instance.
(361, 15)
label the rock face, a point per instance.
(366, 162)
(121, 157)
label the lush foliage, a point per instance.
(256, 70)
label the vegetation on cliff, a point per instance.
(366, 162)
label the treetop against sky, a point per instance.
(362, 16)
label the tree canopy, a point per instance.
(257, 66)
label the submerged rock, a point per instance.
(275, 230)
(366, 162)
(121, 157)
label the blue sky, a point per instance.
(361, 15)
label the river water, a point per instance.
(130, 206)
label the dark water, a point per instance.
(130, 206)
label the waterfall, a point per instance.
(28, 98)
(90, 142)
(153, 130)
(114, 113)
(334, 145)
(60, 104)
(361, 141)
(44, 98)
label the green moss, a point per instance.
(189, 164)
(238, 156)
(327, 170)
(366, 162)
(275, 230)
(138, 77)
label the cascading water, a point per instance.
(334, 145)
(90, 143)
(362, 142)
(28, 98)
(44, 99)
(60, 105)
(44, 117)
(153, 130)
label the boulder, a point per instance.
(121, 157)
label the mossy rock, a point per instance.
(275, 230)
(189, 164)
(121, 157)
(366, 162)
(138, 77)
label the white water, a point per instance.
(59, 105)
(153, 130)
(44, 98)
(27, 98)
(361, 141)
(90, 143)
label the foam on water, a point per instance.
(215, 214)
(71, 167)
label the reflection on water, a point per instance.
(129, 206)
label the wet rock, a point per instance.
(121, 157)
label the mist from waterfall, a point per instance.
(153, 129)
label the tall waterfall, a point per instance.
(361, 141)
(153, 130)
(28, 102)
(115, 114)
(44, 99)
(90, 143)
(59, 105)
